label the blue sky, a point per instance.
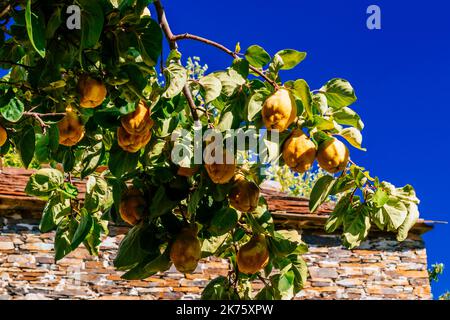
(401, 74)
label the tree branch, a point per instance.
(224, 49)
(173, 46)
(15, 64)
(5, 11)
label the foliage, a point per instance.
(445, 296)
(54, 71)
(293, 183)
(435, 271)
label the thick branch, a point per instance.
(165, 24)
(173, 46)
(224, 49)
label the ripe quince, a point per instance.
(332, 155)
(279, 110)
(244, 195)
(132, 206)
(71, 130)
(253, 256)
(92, 92)
(139, 120)
(186, 251)
(132, 142)
(299, 152)
(221, 173)
(3, 136)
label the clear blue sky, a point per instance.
(401, 74)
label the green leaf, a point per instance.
(347, 116)
(323, 124)
(84, 228)
(286, 242)
(69, 190)
(267, 293)
(380, 197)
(146, 269)
(26, 145)
(241, 66)
(353, 136)
(122, 162)
(41, 152)
(161, 204)
(285, 285)
(91, 23)
(43, 182)
(410, 221)
(35, 24)
(291, 58)
(130, 250)
(53, 137)
(211, 245)
(55, 209)
(98, 195)
(91, 158)
(231, 80)
(223, 221)
(212, 87)
(47, 222)
(255, 104)
(320, 103)
(63, 236)
(300, 269)
(392, 215)
(93, 239)
(13, 110)
(339, 93)
(219, 289)
(54, 23)
(356, 226)
(320, 192)
(406, 193)
(301, 90)
(195, 198)
(176, 77)
(336, 218)
(149, 39)
(257, 56)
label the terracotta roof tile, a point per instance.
(284, 208)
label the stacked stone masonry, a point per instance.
(380, 268)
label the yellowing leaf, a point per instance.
(353, 136)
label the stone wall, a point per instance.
(380, 269)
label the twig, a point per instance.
(5, 11)
(36, 116)
(224, 49)
(15, 64)
(43, 115)
(263, 280)
(190, 100)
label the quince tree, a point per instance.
(90, 104)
